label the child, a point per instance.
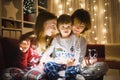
(63, 53)
(91, 69)
(32, 48)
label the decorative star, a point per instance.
(11, 10)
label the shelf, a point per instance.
(11, 19)
(11, 29)
(15, 16)
(40, 7)
(27, 22)
(8, 23)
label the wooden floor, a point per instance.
(112, 74)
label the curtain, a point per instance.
(104, 16)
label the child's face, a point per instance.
(78, 27)
(50, 27)
(24, 45)
(65, 30)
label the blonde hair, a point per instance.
(39, 28)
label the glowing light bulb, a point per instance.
(106, 17)
(60, 6)
(67, 3)
(104, 30)
(95, 26)
(70, 9)
(60, 12)
(96, 38)
(93, 32)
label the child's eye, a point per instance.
(68, 26)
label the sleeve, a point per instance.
(46, 55)
(80, 50)
(33, 59)
(83, 46)
(22, 59)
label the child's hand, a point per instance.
(92, 61)
(70, 62)
(24, 45)
(87, 61)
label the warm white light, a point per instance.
(93, 32)
(103, 42)
(60, 6)
(104, 30)
(95, 26)
(93, 19)
(94, 1)
(95, 8)
(105, 24)
(69, 0)
(105, 4)
(81, 5)
(95, 14)
(106, 17)
(56, 1)
(60, 12)
(104, 37)
(104, 10)
(70, 9)
(96, 38)
(67, 3)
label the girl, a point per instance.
(81, 23)
(62, 53)
(32, 47)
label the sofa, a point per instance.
(9, 49)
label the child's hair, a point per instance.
(64, 19)
(29, 35)
(39, 28)
(83, 16)
(42, 17)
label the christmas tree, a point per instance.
(29, 6)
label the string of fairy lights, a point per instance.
(99, 16)
(100, 19)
